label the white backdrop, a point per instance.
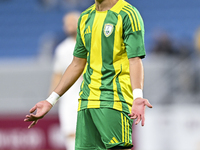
(174, 127)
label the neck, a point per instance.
(103, 5)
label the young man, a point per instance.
(63, 58)
(110, 45)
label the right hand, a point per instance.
(42, 108)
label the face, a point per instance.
(70, 24)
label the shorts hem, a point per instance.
(88, 148)
(119, 146)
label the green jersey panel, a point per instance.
(108, 39)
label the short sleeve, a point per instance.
(133, 34)
(80, 50)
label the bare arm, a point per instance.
(136, 73)
(70, 76)
(56, 77)
(137, 82)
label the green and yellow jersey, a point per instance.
(107, 39)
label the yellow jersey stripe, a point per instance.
(114, 139)
(122, 120)
(126, 89)
(93, 8)
(128, 131)
(130, 19)
(82, 27)
(125, 129)
(117, 47)
(136, 16)
(96, 58)
(79, 101)
(90, 8)
(131, 14)
(79, 104)
(81, 87)
(117, 8)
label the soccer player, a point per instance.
(109, 48)
(63, 58)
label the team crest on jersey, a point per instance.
(108, 29)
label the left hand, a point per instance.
(138, 110)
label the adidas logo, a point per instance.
(114, 140)
(88, 30)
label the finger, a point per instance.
(138, 119)
(33, 109)
(27, 116)
(32, 124)
(134, 116)
(36, 116)
(143, 120)
(31, 117)
(131, 115)
(26, 120)
(148, 104)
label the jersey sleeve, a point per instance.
(133, 34)
(80, 50)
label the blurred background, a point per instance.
(31, 30)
